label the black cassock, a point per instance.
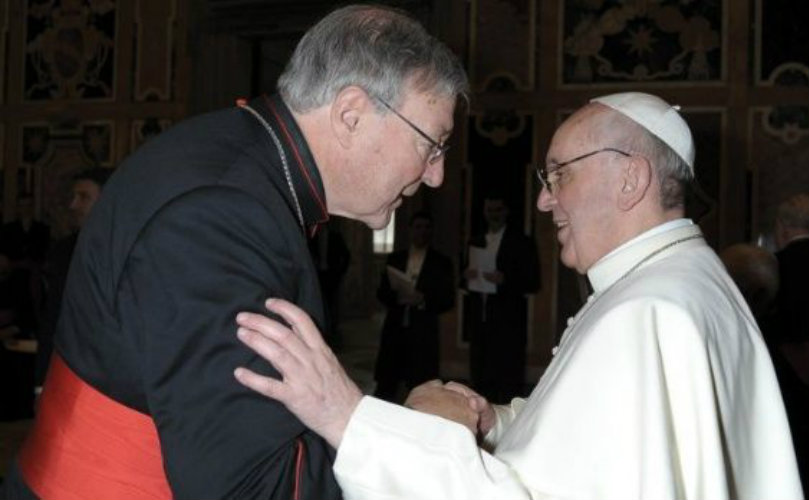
(196, 226)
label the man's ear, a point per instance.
(347, 110)
(636, 179)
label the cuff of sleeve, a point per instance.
(505, 415)
(377, 425)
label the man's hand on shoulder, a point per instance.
(314, 386)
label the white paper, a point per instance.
(483, 262)
(400, 282)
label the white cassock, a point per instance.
(662, 388)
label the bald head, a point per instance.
(755, 271)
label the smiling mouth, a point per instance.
(561, 224)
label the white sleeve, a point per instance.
(505, 416)
(391, 452)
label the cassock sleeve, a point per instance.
(505, 415)
(201, 260)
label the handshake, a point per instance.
(455, 402)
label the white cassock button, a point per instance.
(570, 321)
(554, 350)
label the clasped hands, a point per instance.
(455, 402)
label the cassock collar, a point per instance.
(613, 266)
(303, 169)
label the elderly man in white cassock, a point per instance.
(661, 387)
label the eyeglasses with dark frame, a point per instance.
(552, 185)
(438, 149)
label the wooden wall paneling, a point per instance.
(543, 311)
(777, 132)
(142, 130)
(753, 181)
(703, 205)
(545, 99)
(12, 89)
(545, 304)
(502, 58)
(154, 49)
(3, 42)
(9, 171)
(733, 189)
(781, 48)
(181, 57)
(221, 72)
(2, 170)
(126, 72)
(778, 160)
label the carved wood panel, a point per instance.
(69, 49)
(618, 41)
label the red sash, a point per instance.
(85, 445)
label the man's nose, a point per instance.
(434, 174)
(546, 200)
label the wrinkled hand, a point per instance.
(487, 418)
(432, 397)
(314, 386)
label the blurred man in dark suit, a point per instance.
(409, 346)
(496, 320)
(84, 192)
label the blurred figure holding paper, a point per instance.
(502, 268)
(416, 287)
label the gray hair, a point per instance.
(794, 212)
(673, 172)
(378, 49)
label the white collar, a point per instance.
(642, 249)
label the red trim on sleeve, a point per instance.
(299, 451)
